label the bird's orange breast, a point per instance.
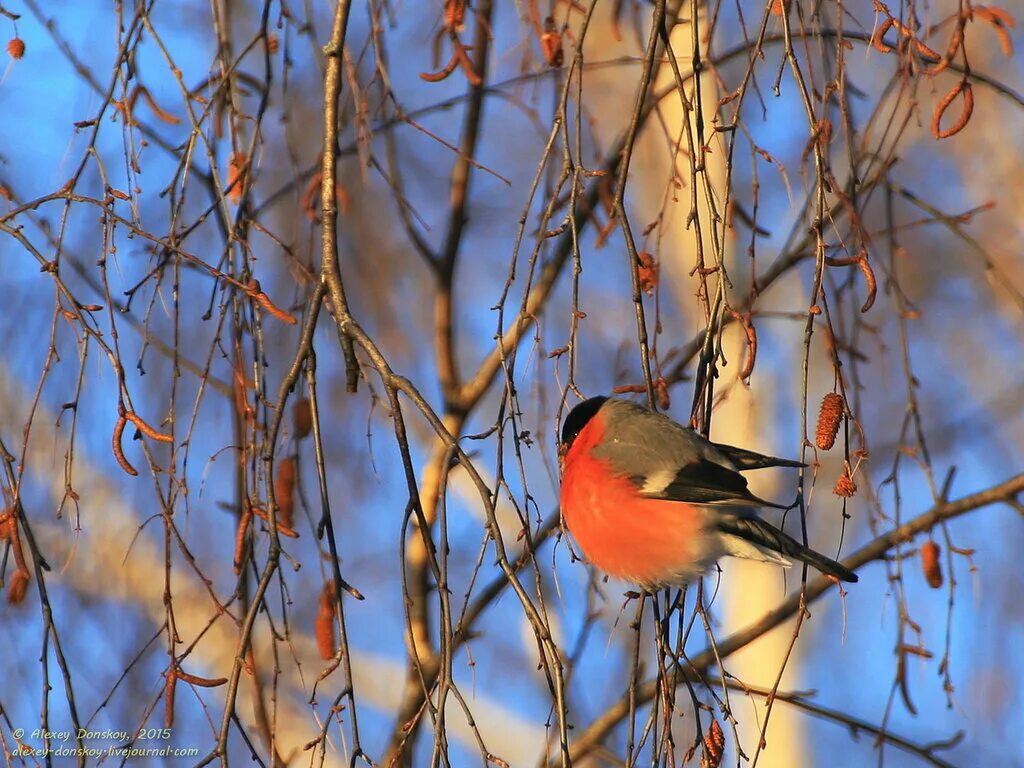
(647, 541)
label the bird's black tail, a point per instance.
(767, 536)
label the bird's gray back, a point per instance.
(640, 442)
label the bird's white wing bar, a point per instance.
(657, 482)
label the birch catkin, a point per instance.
(828, 420)
(930, 564)
(324, 629)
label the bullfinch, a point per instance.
(654, 503)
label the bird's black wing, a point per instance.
(744, 459)
(703, 482)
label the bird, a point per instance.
(655, 503)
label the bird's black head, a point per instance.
(578, 418)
